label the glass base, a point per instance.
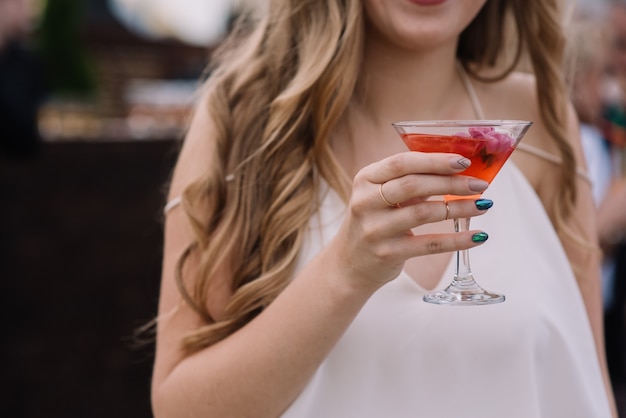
(465, 292)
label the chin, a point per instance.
(420, 23)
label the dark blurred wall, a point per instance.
(80, 253)
(80, 224)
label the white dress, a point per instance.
(531, 356)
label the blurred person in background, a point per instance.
(615, 112)
(22, 86)
(591, 52)
(301, 235)
(613, 207)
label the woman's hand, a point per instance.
(392, 197)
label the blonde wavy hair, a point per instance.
(276, 89)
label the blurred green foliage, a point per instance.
(60, 39)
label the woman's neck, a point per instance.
(399, 84)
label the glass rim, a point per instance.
(469, 122)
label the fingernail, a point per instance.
(480, 237)
(477, 185)
(483, 204)
(457, 163)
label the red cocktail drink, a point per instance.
(487, 144)
(486, 149)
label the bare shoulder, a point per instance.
(515, 97)
(194, 157)
(194, 163)
(176, 317)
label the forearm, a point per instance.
(260, 369)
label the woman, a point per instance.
(292, 288)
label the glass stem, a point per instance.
(463, 272)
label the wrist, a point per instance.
(345, 277)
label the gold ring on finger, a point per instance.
(447, 210)
(382, 196)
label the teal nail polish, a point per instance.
(480, 237)
(483, 204)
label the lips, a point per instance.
(427, 2)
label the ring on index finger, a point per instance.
(382, 196)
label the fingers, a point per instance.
(384, 199)
(419, 245)
(399, 221)
(413, 162)
(415, 175)
(418, 177)
(392, 198)
(403, 190)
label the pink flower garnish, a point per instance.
(493, 142)
(480, 131)
(496, 141)
(499, 142)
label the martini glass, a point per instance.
(488, 144)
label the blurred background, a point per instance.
(94, 99)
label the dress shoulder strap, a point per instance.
(471, 92)
(480, 114)
(171, 205)
(537, 152)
